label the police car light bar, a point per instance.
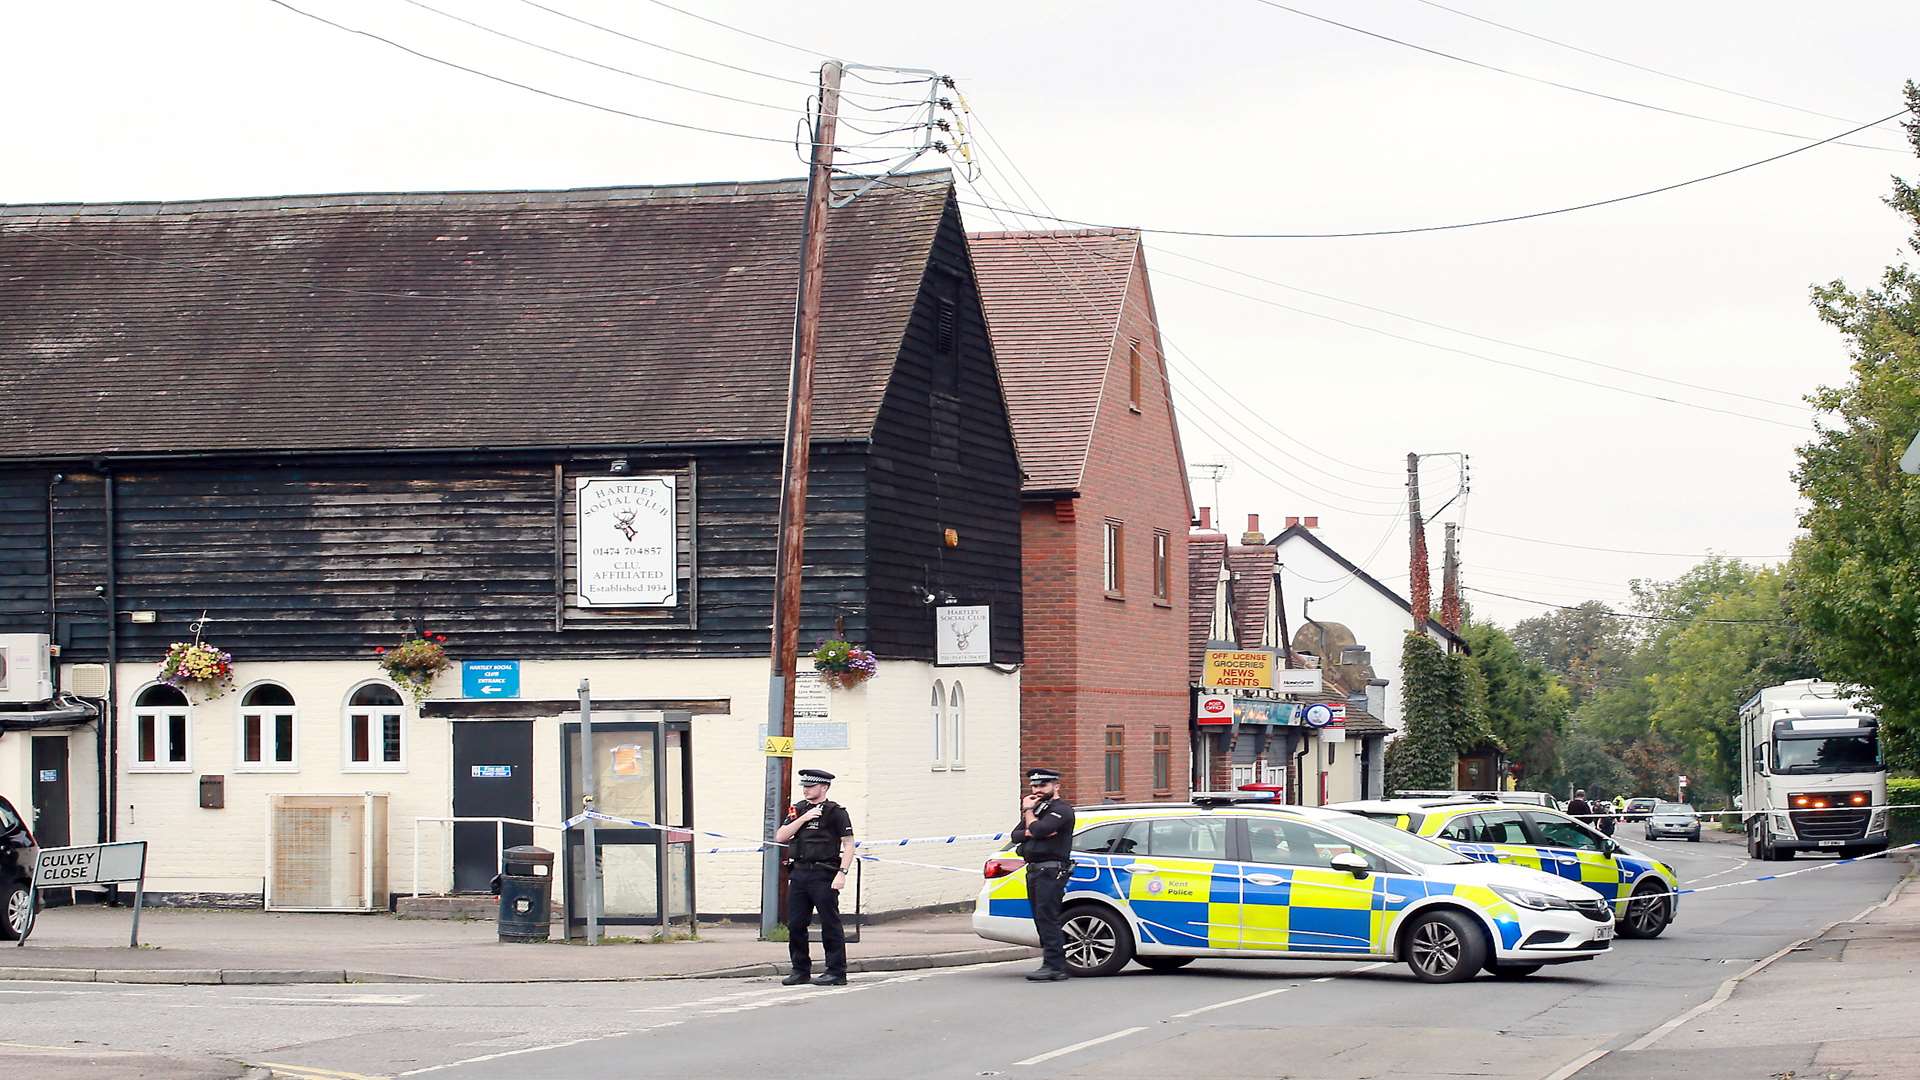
(1228, 798)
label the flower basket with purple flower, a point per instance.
(413, 663)
(202, 670)
(843, 665)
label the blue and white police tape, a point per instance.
(1802, 870)
(1642, 815)
(595, 815)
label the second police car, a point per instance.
(1640, 888)
(1224, 876)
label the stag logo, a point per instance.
(963, 636)
(623, 521)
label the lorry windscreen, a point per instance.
(1832, 754)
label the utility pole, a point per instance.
(1450, 581)
(1420, 585)
(793, 488)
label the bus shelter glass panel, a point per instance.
(642, 775)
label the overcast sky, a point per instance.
(1225, 115)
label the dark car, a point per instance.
(1638, 809)
(16, 872)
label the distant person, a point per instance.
(1579, 807)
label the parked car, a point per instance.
(1224, 876)
(1673, 819)
(1638, 809)
(1641, 889)
(16, 872)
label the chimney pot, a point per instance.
(1206, 517)
(1313, 522)
(1292, 521)
(1253, 522)
(1253, 537)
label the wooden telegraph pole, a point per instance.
(793, 491)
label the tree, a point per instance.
(1593, 763)
(1526, 706)
(1445, 710)
(1584, 645)
(1856, 572)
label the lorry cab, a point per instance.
(1812, 777)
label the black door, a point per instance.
(52, 826)
(492, 777)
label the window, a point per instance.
(266, 734)
(957, 717)
(1116, 547)
(1504, 827)
(1162, 759)
(1109, 839)
(937, 722)
(376, 730)
(1133, 373)
(1563, 833)
(946, 348)
(1160, 583)
(1116, 739)
(1187, 838)
(1461, 829)
(1292, 843)
(162, 721)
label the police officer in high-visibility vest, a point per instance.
(820, 838)
(1044, 838)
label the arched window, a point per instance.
(267, 729)
(162, 731)
(376, 731)
(957, 725)
(937, 722)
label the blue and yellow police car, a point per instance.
(1640, 888)
(1226, 876)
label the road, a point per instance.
(1214, 1019)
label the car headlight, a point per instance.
(1527, 898)
(1878, 824)
(1782, 826)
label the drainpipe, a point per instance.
(108, 738)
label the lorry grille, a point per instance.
(1831, 824)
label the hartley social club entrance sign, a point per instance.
(93, 864)
(628, 541)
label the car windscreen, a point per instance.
(1401, 845)
(1833, 754)
(1674, 808)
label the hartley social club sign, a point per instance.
(627, 541)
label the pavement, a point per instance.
(214, 947)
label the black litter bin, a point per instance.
(526, 894)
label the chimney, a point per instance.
(1292, 521)
(1310, 522)
(1253, 537)
(1206, 519)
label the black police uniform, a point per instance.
(1047, 848)
(815, 860)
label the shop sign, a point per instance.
(490, 679)
(1238, 668)
(1319, 715)
(627, 541)
(963, 635)
(1297, 680)
(1213, 709)
(1268, 713)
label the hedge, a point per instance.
(1905, 826)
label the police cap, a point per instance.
(815, 776)
(1043, 776)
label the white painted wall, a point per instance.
(1376, 621)
(890, 784)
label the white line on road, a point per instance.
(514, 1053)
(1574, 1066)
(1225, 1004)
(1065, 1050)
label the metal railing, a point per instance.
(499, 840)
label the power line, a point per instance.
(739, 30)
(535, 89)
(1626, 551)
(1560, 85)
(1636, 67)
(1630, 614)
(1507, 219)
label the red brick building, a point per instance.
(1103, 526)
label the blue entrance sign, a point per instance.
(490, 678)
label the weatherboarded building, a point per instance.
(546, 425)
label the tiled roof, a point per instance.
(1053, 302)
(612, 317)
(1252, 592)
(1206, 551)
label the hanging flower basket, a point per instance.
(413, 664)
(202, 670)
(843, 665)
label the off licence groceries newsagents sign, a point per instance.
(627, 541)
(1239, 669)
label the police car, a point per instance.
(1640, 888)
(1225, 876)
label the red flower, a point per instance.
(379, 649)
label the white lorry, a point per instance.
(1811, 776)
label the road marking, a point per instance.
(1224, 1004)
(1065, 1050)
(1574, 1066)
(364, 999)
(515, 1053)
(313, 1072)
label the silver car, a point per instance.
(1673, 819)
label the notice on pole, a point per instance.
(627, 541)
(1238, 668)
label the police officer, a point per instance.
(1044, 838)
(820, 835)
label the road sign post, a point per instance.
(92, 864)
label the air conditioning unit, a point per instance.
(26, 668)
(327, 852)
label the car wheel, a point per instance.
(1648, 912)
(1098, 941)
(19, 913)
(1445, 946)
(1512, 971)
(1163, 964)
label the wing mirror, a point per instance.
(1356, 865)
(1609, 845)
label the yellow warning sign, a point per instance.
(779, 746)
